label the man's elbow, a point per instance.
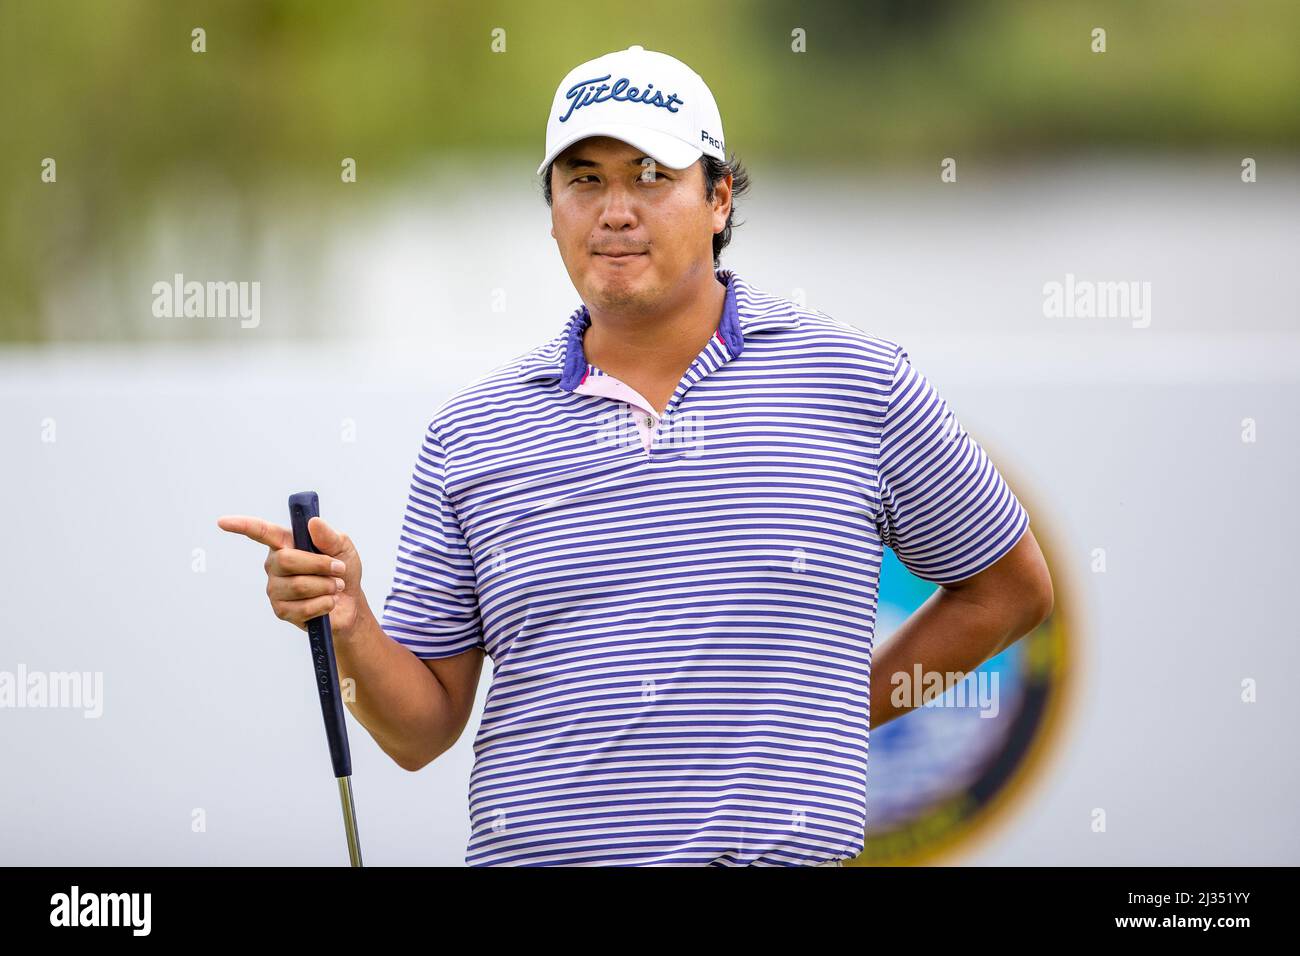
(1017, 590)
(1034, 608)
(1039, 603)
(413, 762)
(1042, 611)
(411, 765)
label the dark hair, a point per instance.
(715, 170)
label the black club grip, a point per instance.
(304, 506)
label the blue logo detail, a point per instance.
(583, 93)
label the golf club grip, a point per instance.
(304, 506)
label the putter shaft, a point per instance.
(350, 820)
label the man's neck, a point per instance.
(656, 348)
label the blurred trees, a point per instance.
(134, 119)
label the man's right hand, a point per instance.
(302, 585)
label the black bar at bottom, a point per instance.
(921, 906)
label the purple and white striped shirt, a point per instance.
(680, 611)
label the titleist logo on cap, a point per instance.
(583, 94)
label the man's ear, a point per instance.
(719, 212)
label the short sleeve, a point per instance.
(946, 511)
(432, 607)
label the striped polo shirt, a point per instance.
(680, 609)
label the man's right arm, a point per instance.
(415, 709)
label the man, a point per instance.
(665, 526)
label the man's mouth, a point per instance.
(620, 255)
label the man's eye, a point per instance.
(641, 176)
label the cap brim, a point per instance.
(663, 148)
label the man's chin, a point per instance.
(621, 290)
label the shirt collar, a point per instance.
(745, 311)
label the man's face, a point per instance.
(605, 202)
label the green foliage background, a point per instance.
(112, 91)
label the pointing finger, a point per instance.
(272, 535)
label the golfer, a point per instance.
(665, 526)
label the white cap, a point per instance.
(650, 100)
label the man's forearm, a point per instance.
(398, 699)
(949, 633)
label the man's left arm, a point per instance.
(962, 625)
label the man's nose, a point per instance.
(619, 208)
